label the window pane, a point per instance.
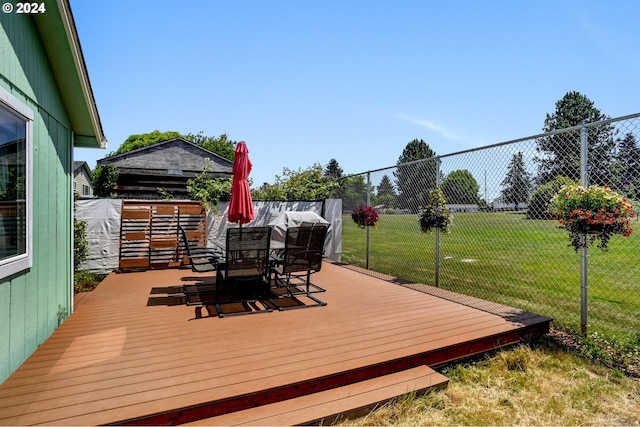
(13, 233)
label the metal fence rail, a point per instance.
(505, 251)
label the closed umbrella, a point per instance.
(241, 205)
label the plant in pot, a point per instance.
(365, 216)
(592, 214)
(436, 215)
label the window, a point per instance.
(16, 122)
(86, 190)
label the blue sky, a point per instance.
(306, 81)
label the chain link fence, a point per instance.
(503, 245)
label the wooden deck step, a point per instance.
(351, 399)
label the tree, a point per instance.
(207, 190)
(354, 190)
(268, 192)
(386, 193)
(538, 206)
(517, 184)
(133, 142)
(414, 180)
(461, 187)
(80, 244)
(103, 180)
(309, 185)
(221, 145)
(559, 154)
(628, 166)
(333, 169)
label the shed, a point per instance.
(47, 107)
(166, 165)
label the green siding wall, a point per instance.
(31, 301)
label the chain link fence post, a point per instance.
(368, 204)
(584, 251)
(437, 272)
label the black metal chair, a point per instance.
(301, 257)
(243, 275)
(202, 260)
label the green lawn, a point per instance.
(507, 258)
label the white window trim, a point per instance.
(24, 261)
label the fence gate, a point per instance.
(149, 234)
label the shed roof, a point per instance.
(174, 156)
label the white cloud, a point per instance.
(432, 126)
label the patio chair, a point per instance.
(202, 260)
(243, 274)
(301, 257)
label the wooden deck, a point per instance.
(133, 353)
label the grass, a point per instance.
(543, 383)
(504, 257)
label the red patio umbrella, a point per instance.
(241, 205)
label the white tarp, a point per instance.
(293, 219)
(103, 233)
(103, 226)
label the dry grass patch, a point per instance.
(542, 384)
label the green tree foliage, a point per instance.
(627, 167)
(334, 172)
(333, 169)
(103, 179)
(209, 191)
(269, 192)
(133, 142)
(460, 187)
(559, 155)
(386, 193)
(221, 145)
(308, 184)
(538, 206)
(80, 245)
(354, 192)
(517, 184)
(414, 181)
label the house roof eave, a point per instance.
(60, 39)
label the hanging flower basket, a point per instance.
(365, 216)
(436, 215)
(592, 214)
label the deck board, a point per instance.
(329, 404)
(118, 357)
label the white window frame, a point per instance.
(21, 262)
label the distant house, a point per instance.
(499, 204)
(470, 207)
(167, 165)
(46, 109)
(82, 179)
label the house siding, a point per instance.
(32, 301)
(81, 178)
